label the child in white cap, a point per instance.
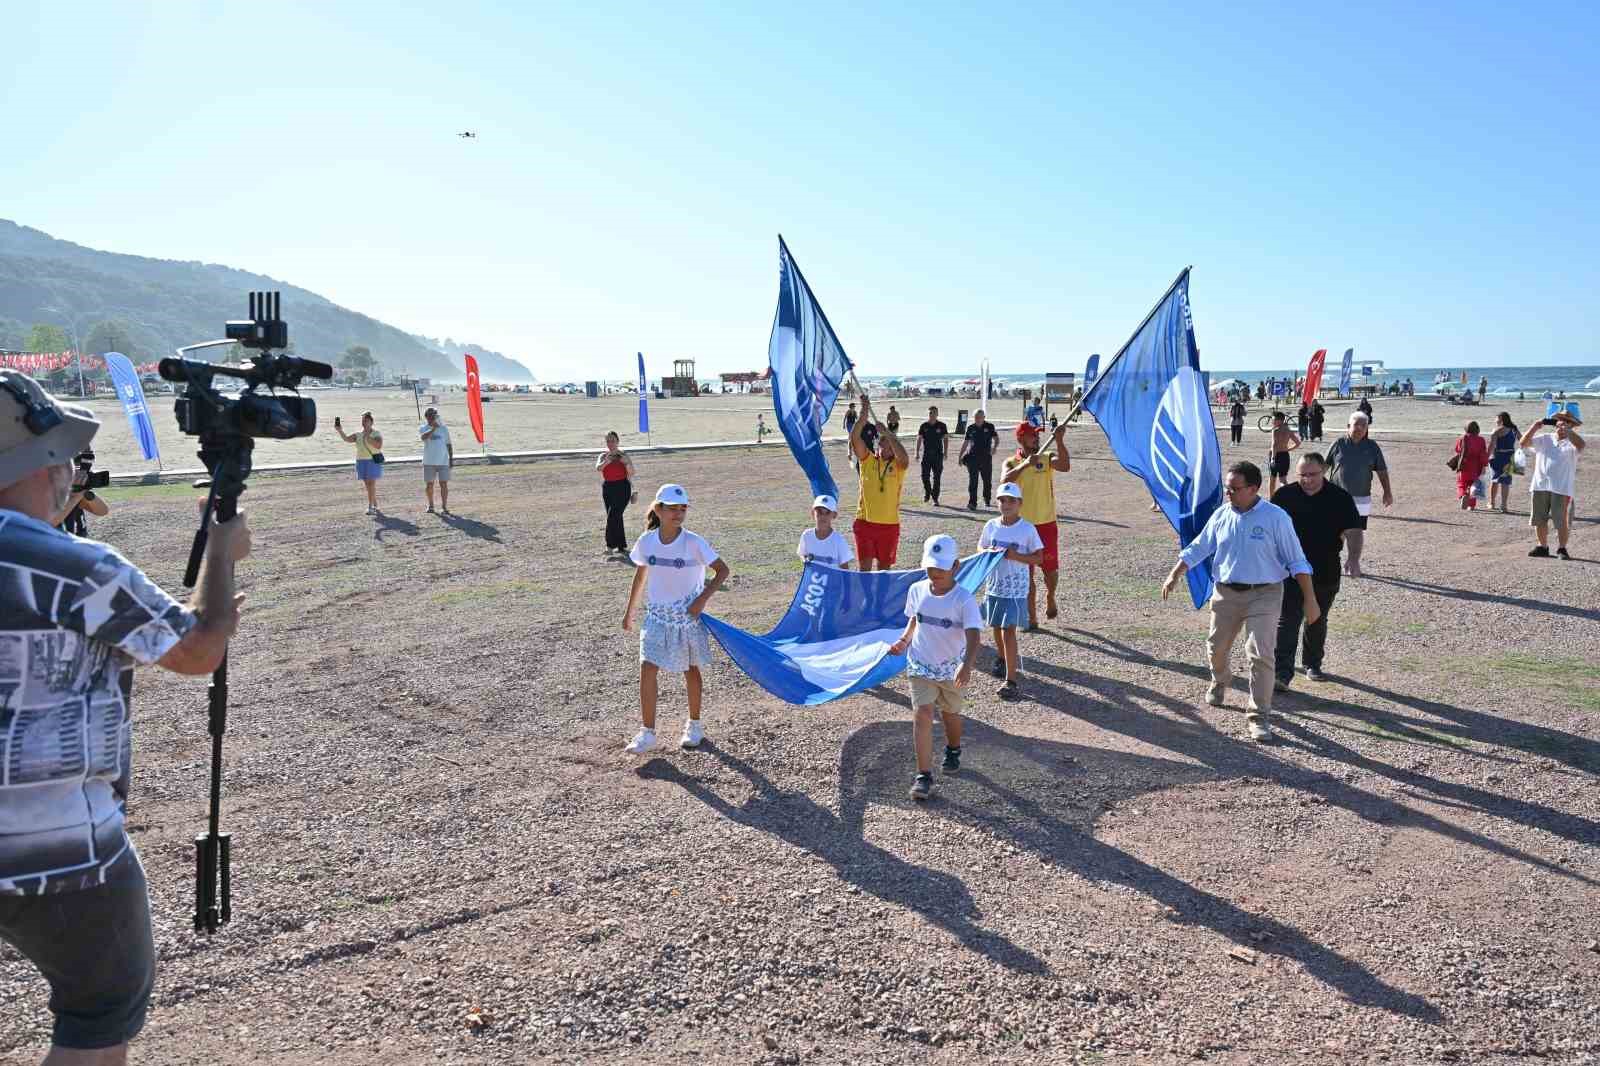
(824, 544)
(671, 573)
(1005, 601)
(940, 643)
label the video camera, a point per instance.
(88, 477)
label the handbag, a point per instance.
(1454, 462)
(377, 457)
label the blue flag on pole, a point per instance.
(1091, 371)
(834, 639)
(808, 364)
(644, 399)
(131, 393)
(1344, 371)
(1151, 402)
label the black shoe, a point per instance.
(1561, 553)
(1314, 674)
(1009, 691)
(922, 787)
(952, 760)
(925, 497)
(1539, 552)
(1280, 685)
(972, 507)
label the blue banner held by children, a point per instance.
(131, 393)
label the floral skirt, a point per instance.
(672, 638)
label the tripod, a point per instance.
(228, 459)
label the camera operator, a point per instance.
(76, 618)
(82, 499)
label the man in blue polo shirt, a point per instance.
(1255, 547)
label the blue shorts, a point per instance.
(1005, 611)
(367, 470)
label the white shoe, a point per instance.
(643, 741)
(693, 734)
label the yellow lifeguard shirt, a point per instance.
(879, 500)
(1038, 487)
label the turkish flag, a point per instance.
(1314, 376)
(474, 399)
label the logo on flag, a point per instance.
(131, 393)
(808, 365)
(474, 398)
(1344, 371)
(1177, 441)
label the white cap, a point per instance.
(825, 501)
(940, 551)
(673, 494)
(1011, 489)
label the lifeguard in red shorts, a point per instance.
(1034, 472)
(877, 524)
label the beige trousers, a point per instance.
(1256, 611)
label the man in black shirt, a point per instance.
(933, 441)
(1321, 512)
(977, 452)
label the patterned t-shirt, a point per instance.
(75, 617)
(1009, 579)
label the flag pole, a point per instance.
(1105, 371)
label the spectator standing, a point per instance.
(1303, 421)
(933, 445)
(1283, 442)
(850, 417)
(1352, 462)
(1471, 459)
(1322, 513)
(1483, 387)
(1554, 480)
(1319, 413)
(977, 452)
(438, 458)
(883, 476)
(369, 456)
(1254, 545)
(76, 620)
(616, 492)
(1502, 452)
(892, 420)
(1236, 415)
(1365, 407)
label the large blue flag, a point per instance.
(834, 639)
(644, 399)
(131, 393)
(1151, 401)
(1344, 371)
(808, 364)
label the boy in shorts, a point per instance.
(1284, 441)
(940, 643)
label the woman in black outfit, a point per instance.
(616, 489)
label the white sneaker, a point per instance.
(693, 734)
(643, 741)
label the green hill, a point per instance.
(147, 307)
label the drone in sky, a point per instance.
(468, 135)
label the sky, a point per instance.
(957, 181)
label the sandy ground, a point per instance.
(443, 855)
(546, 422)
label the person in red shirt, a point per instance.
(616, 491)
(1473, 452)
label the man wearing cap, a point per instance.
(1555, 476)
(1352, 461)
(1034, 473)
(977, 452)
(438, 456)
(933, 445)
(76, 618)
(877, 524)
(1255, 547)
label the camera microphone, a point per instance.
(311, 368)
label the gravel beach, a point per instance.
(442, 854)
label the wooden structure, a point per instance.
(682, 382)
(743, 379)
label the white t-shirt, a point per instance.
(436, 451)
(677, 570)
(835, 551)
(1010, 579)
(939, 644)
(1555, 466)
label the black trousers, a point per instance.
(1316, 637)
(616, 495)
(1316, 430)
(979, 468)
(1238, 431)
(932, 471)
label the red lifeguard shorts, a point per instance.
(1051, 538)
(879, 541)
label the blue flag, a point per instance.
(834, 639)
(1151, 401)
(644, 399)
(1091, 371)
(131, 393)
(808, 364)
(1344, 371)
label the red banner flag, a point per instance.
(474, 399)
(1314, 376)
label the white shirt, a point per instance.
(436, 450)
(1555, 466)
(834, 551)
(677, 571)
(939, 643)
(1009, 580)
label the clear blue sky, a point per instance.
(1019, 182)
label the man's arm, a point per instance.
(215, 604)
(1529, 433)
(858, 447)
(1383, 479)
(965, 673)
(901, 459)
(96, 506)
(1577, 441)
(451, 448)
(899, 647)
(1062, 461)
(944, 455)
